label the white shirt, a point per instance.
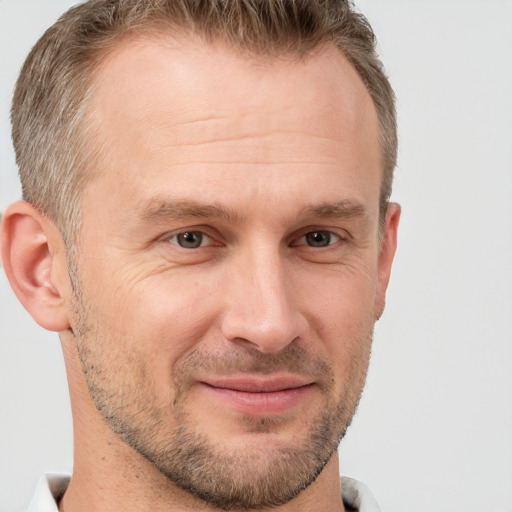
(52, 487)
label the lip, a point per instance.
(259, 396)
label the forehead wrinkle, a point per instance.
(164, 209)
(213, 131)
(239, 136)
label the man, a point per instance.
(206, 224)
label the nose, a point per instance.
(261, 304)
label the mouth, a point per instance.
(260, 396)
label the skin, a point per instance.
(255, 159)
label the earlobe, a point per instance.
(386, 255)
(33, 256)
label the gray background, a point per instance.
(434, 429)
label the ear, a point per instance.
(386, 255)
(34, 258)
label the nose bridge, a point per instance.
(260, 308)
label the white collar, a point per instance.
(49, 490)
(358, 496)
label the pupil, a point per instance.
(318, 238)
(190, 240)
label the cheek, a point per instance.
(340, 309)
(340, 297)
(167, 315)
(138, 337)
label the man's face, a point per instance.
(229, 273)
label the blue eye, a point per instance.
(318, 239)
(189, 239)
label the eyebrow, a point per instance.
(163, 209)
(157, 209)
(346, 209)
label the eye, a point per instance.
(318, 239)
(190, 239)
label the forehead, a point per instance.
(162, 106)
(195, 73)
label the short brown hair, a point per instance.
(54, 153)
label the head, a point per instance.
(212, 182)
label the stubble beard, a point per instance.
(242, 479)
